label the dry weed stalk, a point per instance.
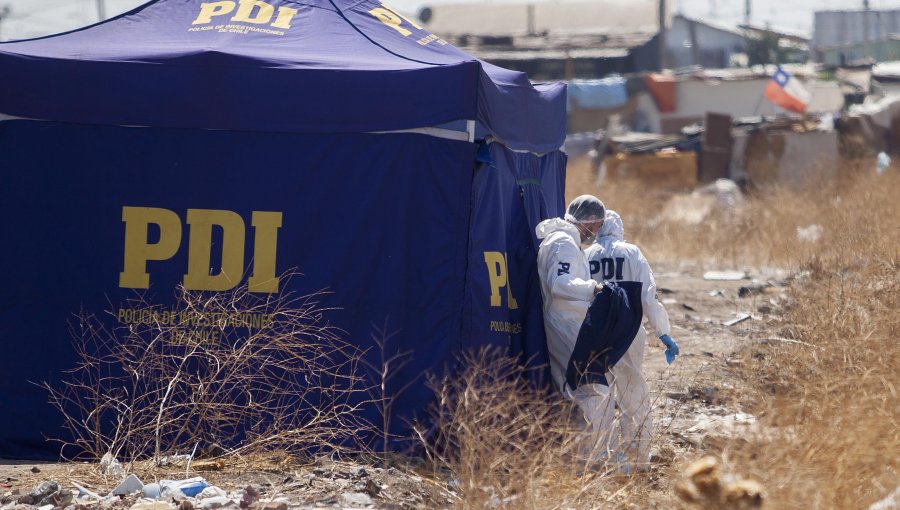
(508, 446)
(381, 373)
(251, 372)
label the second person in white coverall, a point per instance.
(613, 259)
(568, 290)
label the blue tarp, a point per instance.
(176, 107)
(605, 93)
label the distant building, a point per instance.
(691, 42)
(884, 50)
(792, 48)
(555, 40)
(847, 37)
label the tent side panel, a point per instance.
(512, 193)
(377, 221)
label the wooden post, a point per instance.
(661, 35)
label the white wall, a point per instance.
(738, 98)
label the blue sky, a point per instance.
(31, 18)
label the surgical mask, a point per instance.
(589, 239)
(586, 236)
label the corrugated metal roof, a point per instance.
(872, 42)
(550, 46)
(609, 16)
(841, 28)
(721, 27)
(805, 71)
(489, 55)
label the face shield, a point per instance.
(586, 212)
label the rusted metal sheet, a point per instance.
(717, 145)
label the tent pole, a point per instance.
(470, 129)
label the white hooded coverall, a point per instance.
(612, 259)
(568, 290)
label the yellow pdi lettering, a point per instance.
(265, 249)
(498, 276)
(138, 250)
(393, 19)
(254, 11)
(411, 22)
(210, 10)
(285, 15)
(201, 222)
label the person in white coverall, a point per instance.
(612, 259)
(568, 290)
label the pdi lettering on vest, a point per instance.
(608, 268)
(248, 11)
(139, 251)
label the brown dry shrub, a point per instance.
(157, 387)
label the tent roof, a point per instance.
(331, 66)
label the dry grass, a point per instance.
(836, 402)
(762, 231)
(832, 402)
(506, 446)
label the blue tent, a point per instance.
(406, 177)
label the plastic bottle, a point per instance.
(189, 487)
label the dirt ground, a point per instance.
(694, 400)
(698, 400)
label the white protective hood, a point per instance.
(612, 227)
(547, 227)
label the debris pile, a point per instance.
(326, 484)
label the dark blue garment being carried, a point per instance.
(609, 327)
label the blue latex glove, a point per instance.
(671, 348)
